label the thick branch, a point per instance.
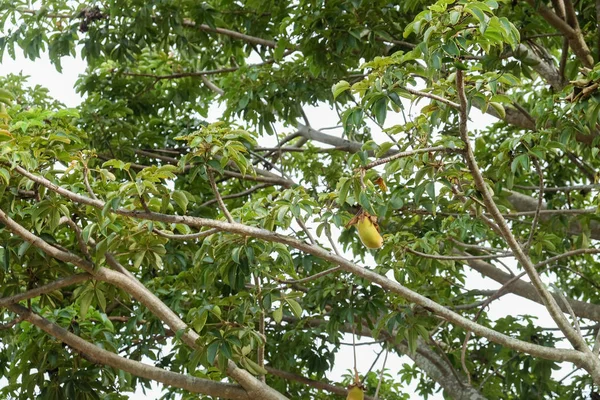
(127, 282)
(549, 301)
(524, 203)
(545, 69)
(576, 39)
(384, 282)
(98, 355)
(47, 288)
(433, 364)
(526, 290)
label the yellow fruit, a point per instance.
(368, 232)
(355, 393)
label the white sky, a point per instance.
(61, 87)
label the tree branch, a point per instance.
(236, 195)
(549, 301)
(222, 205)
(526, 290)
(409, 153)
(539, 205)
(232, 34)
(191, 236)
(127, 282)
(575, 37)
(98, 355)
(392, 286)
(47, 288)
(430, 96)
(310, 382)
(459, 258)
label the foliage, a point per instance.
(233, 227)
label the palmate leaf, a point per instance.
(117, 190)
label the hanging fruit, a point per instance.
(356, 391)
(368, 230)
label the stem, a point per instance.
(555, 312)
(317, 251)
(220, 201)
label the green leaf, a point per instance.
(84, 302)
(254, 367)
(200, 321)
(111, 205)
(278, 314)
(100, 298)
(340, 88)
(5, 175)
(522, 161)
(380, 110)
(499, 109)
(211, 351)
(6, 96)
(180, 199)
(295, 306)
(23, 249)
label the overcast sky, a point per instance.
(61, 87)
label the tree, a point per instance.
(130, 222)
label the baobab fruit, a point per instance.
(368, 230)
(355, 392)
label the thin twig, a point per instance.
(407, 154)
(476, 247)
(330, 239)
(565, 255)
(47, 288)
(540, 204)
(11, 323)
(190, 236)
(445, 357)
(363, 343)
(568, 375)
(300, 222)
(260, 357)
(281, 149)
(86, 182)
(353, 335)
(220, 201)
(458, 258)
(310, 278)
(235, 195)
(463, 357)
(78, 234)
(430, 96)
(560, 294)
(560, 188)
(494, 372)
(180, 75)
(575, 211)
(283, 174)
(209, 84)
(372, 364)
